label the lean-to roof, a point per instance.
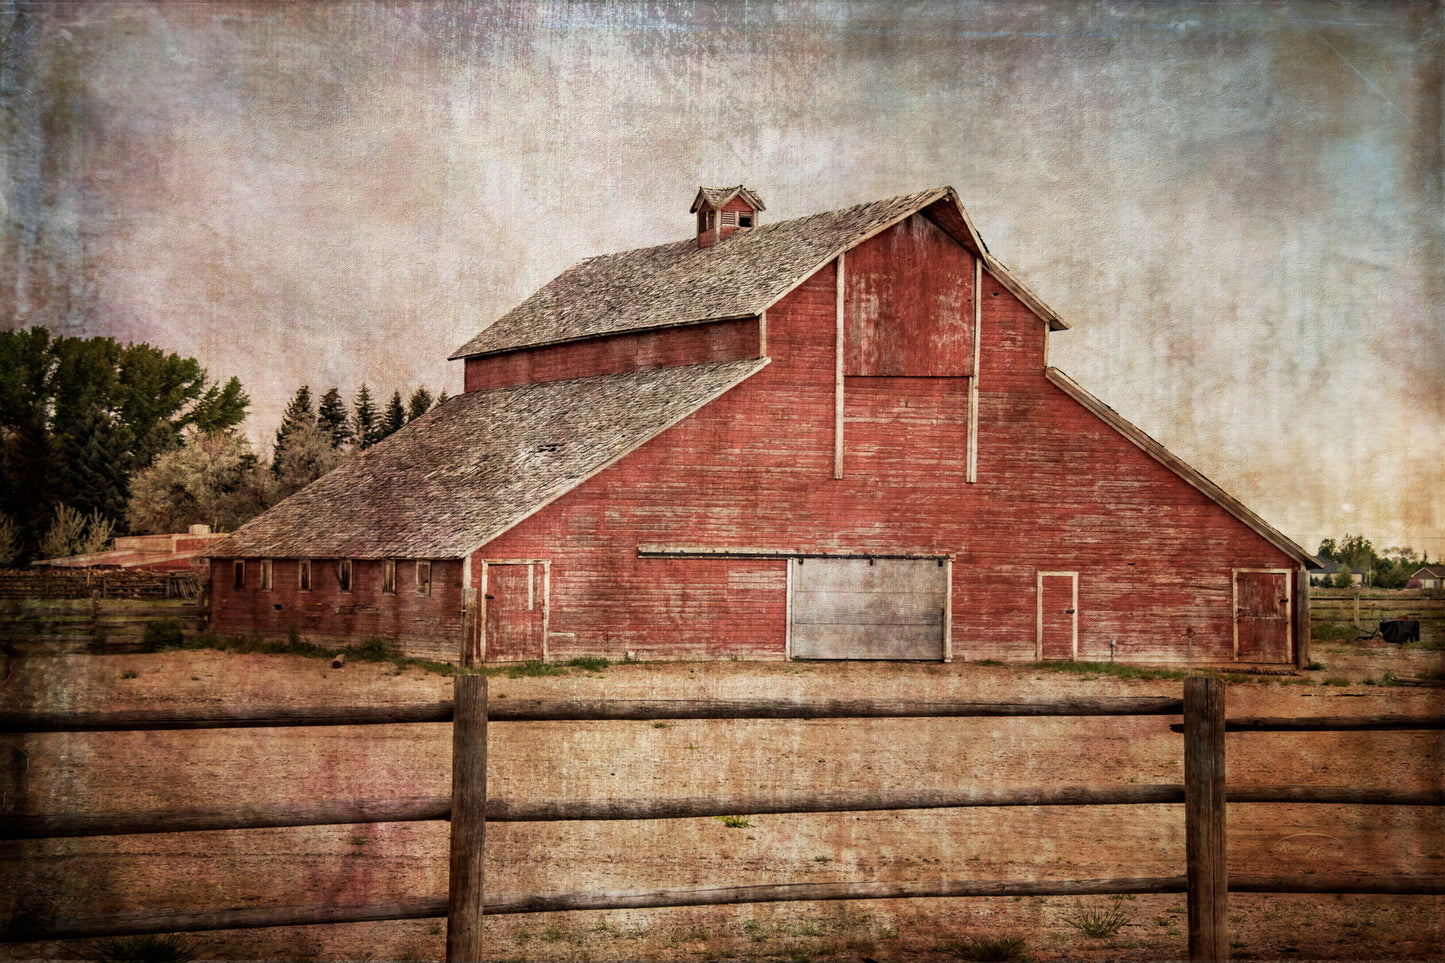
(740, 276)
(1181, 468)
(467, 471)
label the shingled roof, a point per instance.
(467, 471)
(680, 283)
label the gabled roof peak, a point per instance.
(716, 197)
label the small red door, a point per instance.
(1058, 616)
(516, 607)
(1262, 616)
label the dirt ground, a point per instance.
(357, 864)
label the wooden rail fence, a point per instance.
(1204, 795)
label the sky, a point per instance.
(1237, 206)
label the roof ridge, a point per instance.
(767, 226)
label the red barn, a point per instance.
(835, 437)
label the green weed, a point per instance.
(130, 674)
(992, 949)
(1337, 681)
(734, 822)
(1314, 666)
(1102, 924)
(591, 664)
(145, 949)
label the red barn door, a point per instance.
(1058, 616)
(516, 622)
(1262, 615)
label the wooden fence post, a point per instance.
(1204, 839)
(469, 807)
(1301, 619)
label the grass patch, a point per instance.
(371, 649)
(1337, 681)
(988, 662)
(589, 663)
(145, 949)
(1118, 670)
(529, 670)
(1314, 666)
(734, 822)
(1102, 924)
(130, 674)
(991, 949)
(1333, 631)
(162, 634)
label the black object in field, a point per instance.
(1400, 631)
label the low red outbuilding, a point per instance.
(835, 437)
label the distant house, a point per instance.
(832, 437)
(161, 553)
(1329, 570)
(1429, 577)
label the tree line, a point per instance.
(1390, 567)
(99, 438)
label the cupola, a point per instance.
(722, 210)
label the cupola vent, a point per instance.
(722, 210)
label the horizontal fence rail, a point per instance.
(254, 917)
(1377, 723)
(220, 717)
(573, 710)
(503, 810)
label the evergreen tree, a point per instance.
(395, 415)
(299, 415)
(441, 399)
(366, 426)
(420, 403)
(333, 419)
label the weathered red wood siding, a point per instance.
(909, 303)
(425, 626)
(716, 341)
(1058, 490)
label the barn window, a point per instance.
(303, 574)
(423, 578)
(343, 574)
(701, 221)
(265, 574)
(388, 577)
(730, 218)
(238, 574)
(745, 220)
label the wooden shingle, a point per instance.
(470, 469)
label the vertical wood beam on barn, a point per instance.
(971, 475)
(465, 891)
(1206, 870)
(838, 371)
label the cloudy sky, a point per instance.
(1238, 206)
